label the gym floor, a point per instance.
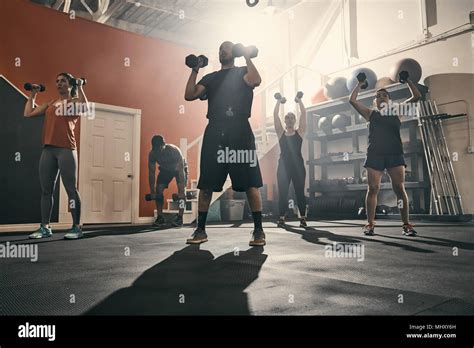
(135, 270)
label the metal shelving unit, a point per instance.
(413, 149)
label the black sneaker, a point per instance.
(258, 237)
(281, 223)
(368, 230)
(160, 221)
(303, 223)
(177, 221)
(199, 236)
(408, 230)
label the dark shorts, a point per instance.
(166, 176)
(229, 149)
(382, 162)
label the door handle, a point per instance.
(130, 176)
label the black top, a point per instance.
(384, 135)
(290, 149)
(227, 93)
(167, 159)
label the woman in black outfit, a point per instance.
(291, 164)
(385, 151)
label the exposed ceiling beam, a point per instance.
(104, 17)
(67, 6)
(155, 33)
(58, 4)
(316, 37)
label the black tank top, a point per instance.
(290, 149)
(384, 135)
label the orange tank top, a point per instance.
(58, 130)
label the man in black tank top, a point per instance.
(291, 164)
(229, 93)
(384, 152)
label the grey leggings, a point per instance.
(55, 160)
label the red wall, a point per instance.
(49, 42)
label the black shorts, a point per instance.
(165, 177)
(382, 162)
(229, 148)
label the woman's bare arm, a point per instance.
(361, 108)
(302, 124)
(276, 119)
(30, 110)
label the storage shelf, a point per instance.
(360, 156)
(175, 211)
(363, 187)
(336, 133)
(169, 200)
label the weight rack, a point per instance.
(445, 198)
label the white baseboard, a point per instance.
(145, 219)
(32, 227)
(59, 225)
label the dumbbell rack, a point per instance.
(348, 193)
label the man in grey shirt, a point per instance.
(171, 165)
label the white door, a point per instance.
(106, 188)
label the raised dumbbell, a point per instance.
(29, 86)
(280, 98)
(298, 97)
(238, 50)
(403, 76)
(193, 61)
(362, 77)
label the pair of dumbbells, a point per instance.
(282, 99)
(362, 77)
(193, 61)
(30, 86)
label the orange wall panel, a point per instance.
(49, 42)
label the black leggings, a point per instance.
(297, 175)
(55, 160)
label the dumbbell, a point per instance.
(150, 197)
(362, 77)
(29, 86)
(298, 97)
(403, 76)
(238, 50)
(175, 197)
(192, 61)
(380, 209)
(280, 98)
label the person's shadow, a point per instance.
(316, 236)
(189, 282)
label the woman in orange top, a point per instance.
(59, 153)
